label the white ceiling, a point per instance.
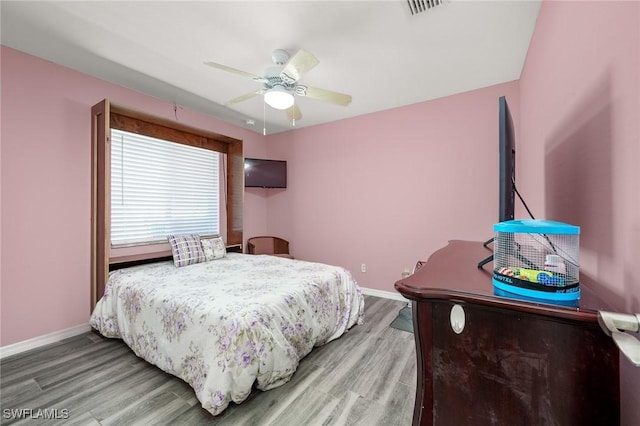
(376, 51)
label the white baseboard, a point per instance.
(46, 339)
(383, 294)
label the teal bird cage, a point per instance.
(537, 259)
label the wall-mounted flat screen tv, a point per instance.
(260, 173)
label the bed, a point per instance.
(227, 325)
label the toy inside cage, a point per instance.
(537, 259)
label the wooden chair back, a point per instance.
(268, 245)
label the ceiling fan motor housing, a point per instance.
(273, 78)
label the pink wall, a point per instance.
(46, 166)
(580, 109)
(388, 189)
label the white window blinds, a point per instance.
(159, 188)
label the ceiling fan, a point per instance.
(280, 83)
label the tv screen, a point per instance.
(260, 173)
(507, 159)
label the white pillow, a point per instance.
(213, 248)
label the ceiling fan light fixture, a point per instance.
(278, 97)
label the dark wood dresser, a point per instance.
(514, 362)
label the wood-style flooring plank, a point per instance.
(366, 377)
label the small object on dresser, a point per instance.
(537, 259)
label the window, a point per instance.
(159, 188)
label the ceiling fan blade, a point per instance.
(325, 95)
(298, 65)
(293, 112)
(234, 71)
(242, 98)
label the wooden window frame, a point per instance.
(105, 116)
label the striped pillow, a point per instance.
(186, 249)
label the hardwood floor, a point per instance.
(367, 377)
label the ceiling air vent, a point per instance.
(417, 6)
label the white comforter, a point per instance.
(223, 324)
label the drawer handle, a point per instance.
(457, 319)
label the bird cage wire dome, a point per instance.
(537, 259)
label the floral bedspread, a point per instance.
(223, 324)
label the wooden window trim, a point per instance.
(105, 116)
